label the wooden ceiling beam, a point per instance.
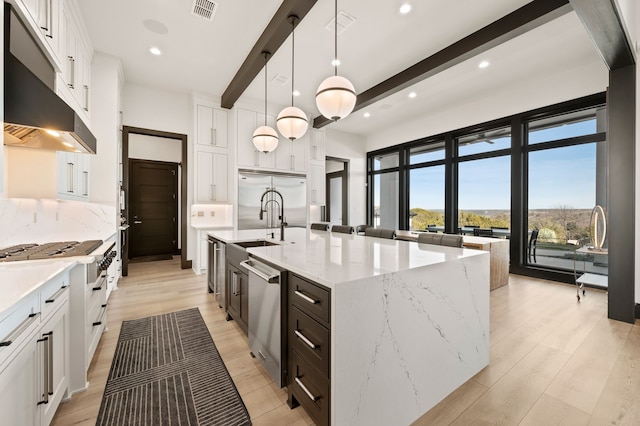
(270, 41)
(603, 23)
(518, 22)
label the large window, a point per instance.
(541, 170)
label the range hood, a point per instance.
(34, 116)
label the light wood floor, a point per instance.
(553, 361)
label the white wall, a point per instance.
(165, 111)
(155, 148)
(351, 147)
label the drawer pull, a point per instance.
(305, 297)
(304, 388)
(96, 323)
(304, 339)
(98, 288)
(261, 355)
(19, 329)
(55, 295)
(45, 358)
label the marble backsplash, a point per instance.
(26, 220)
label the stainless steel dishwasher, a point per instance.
(265, 327)
(215, 270)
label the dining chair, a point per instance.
(361, 228)
(380, 233)
(482, 232)
(451, 240)
(429, 238)
(344, 229)
(320, 226)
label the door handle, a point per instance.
(137, 222)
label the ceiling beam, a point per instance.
(518, 22)
(270, 41)
(603, 23)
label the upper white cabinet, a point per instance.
(44, 16)
(73, 175)
(211, 153)
(316, 184)
(212, 127)
(248, 155)
(74, 82)
(292, 155)
(316, 145)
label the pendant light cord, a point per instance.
(335, 36)
(266, 55)
(293, 54)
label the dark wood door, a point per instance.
(154, 208)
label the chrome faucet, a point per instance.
(263, 208)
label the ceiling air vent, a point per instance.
(280, 79)
(205, 9)
(344, 21)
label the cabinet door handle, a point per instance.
(50, 361)
(45, 393)
(72, 72)
(19, 329)
(305, 390)
(70, 177)
(315, 152)
(86, 98)
(214, 140)
(213, 192)
(305, 340)
(55, 295)
(50, 15)
(305, 297)
(86, 183)
(234, 282)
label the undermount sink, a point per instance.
(258, 243)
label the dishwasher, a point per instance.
(265, 310)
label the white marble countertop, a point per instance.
(19, 279)
(199, 226)
(333, 258)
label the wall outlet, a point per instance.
(200, 214)
(213, 213)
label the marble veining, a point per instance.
(24, 220)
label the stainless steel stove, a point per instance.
(48, 250)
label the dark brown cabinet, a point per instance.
(309, 337)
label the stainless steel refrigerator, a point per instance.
(252, 185)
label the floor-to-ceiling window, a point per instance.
(567, 177)
(385, 190)
(426, 185)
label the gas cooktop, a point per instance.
(48, 250)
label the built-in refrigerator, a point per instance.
(251, 187)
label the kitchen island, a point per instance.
(408, 323)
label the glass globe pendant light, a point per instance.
(336, 96)
(265, 138)
(292, 121)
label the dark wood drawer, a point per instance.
(315, 399)
(310, 298)
(310, 339)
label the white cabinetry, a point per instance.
(248, 155)
(212, 127)
(73, 175)
(44, 17)
(211, 154)
(203, 252)
(34, 356)
(292, 155)
(211, 177)
(74, 82)
(316, 180)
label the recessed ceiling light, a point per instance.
(366, 115)
(483, 64)
(296, 93)
(335, 62)
(155, 51)
(412, 95)
(405, 8)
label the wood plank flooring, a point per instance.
(553, 360)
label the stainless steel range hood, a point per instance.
(34, 116)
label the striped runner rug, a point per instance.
(166, 370)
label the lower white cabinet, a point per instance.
(73, 175)
(34, 378)
(203, 252)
